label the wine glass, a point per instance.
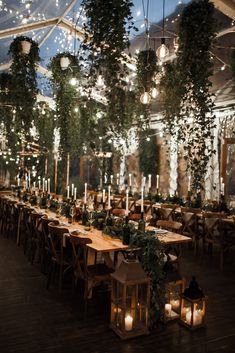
(72, 212)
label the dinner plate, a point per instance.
(161, 231)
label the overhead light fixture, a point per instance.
(163, 51)
(145, 98)
(154, 93)
(73, 81)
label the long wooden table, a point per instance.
(102, 243)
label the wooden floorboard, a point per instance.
(35, 320)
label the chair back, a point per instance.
(119, 212)
(170, 225)
(79, 251)
(57, 240)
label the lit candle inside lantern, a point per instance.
(75, 194)
(127, 202)
(168, 309)
(85, 195)
(157, 181)
(103, 196)
(189, 183)
(128, 323)
(72, 189)
(43, 184)
(149, 182)
(68, 192)
(111, 179)
(49, 185)
(142, 199)
(130, 179)
(197, 317)
(175, 303)
(117, 178)
(109, 191)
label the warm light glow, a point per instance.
(154, 93)
(145, 98)
(73, 81)
(100, 81)
(162, 51)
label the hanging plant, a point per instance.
(24, 76)
(146, 69)
(148, 155)
(106, 38)
(186, 87)
(64, 83)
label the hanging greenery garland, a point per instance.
(24, 76)
(146, 69)
(67, 99)
(186, 87)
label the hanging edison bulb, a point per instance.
(145, 98)
(162, 51)
(154, 92)
(73, 81)
(100, 81)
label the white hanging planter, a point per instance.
(64, 62)
(25, 46)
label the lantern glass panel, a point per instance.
(193, 313)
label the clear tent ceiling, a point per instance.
(53, 37)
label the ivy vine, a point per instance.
(186, 85)
(24, 76)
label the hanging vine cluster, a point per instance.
(186, 88)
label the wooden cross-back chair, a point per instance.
(60, 251)
(37, 237)
(28, 228)
(190, 228)
(172, 252)
(167, 211)
(92, 275)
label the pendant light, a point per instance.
(145, 98)
(163, 51)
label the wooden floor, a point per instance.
(35, 320)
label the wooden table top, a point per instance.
(171, 238)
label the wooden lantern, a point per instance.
(174, 288)
(193, 306)
(130, 300)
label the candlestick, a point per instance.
(157, 181)
(128, 323)
(49, 185)
(109, 202)
(117, 178)
(189, 182)
(103, 197)
(111, 179)
(43, 184)
(39, 184)
(75, 194)
(29, 180)
(68, 192)
(142, 199)
(18, 181)
(72, 189)
(222, 188)
(130, 179)
(85, 195)
(149, 182)
(46, 185)
(34, 185)
(143, 182)
(127, 202)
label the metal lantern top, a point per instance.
(193, 292)
(130, 272)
